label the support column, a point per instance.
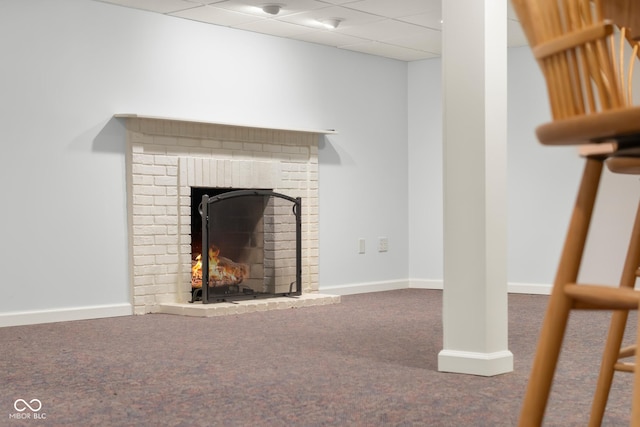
(474, 70)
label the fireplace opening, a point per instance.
(252, 241)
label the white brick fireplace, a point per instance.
(166, 157)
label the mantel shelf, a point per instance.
(176, 119)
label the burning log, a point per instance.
(222, 271)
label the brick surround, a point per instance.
(167, 156)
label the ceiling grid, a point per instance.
(405, 30)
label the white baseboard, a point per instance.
(361, 288)
(512, 288)
(529, 288)
(64, 315)
(115, 310)
(425, 284)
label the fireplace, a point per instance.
(253, 244)
(167, 158)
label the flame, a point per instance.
(196, 272)
(222, 271)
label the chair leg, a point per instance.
(555, 321)
(635, 405)
(609, 359)
(616, 328)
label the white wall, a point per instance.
(542, 183)
(425, 172)
(69, 65)
(542, 186)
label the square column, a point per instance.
(474, 70)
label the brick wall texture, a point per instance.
(168, 157)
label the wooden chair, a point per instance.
(591, 105)
(615, 357)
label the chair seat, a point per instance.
(621, 125)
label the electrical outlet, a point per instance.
(383, 244)
(361, 246)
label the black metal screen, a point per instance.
(253, 245)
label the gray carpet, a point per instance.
(368, 361)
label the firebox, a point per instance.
(249, 242)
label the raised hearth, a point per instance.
(248, 306)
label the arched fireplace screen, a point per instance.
(253, 239)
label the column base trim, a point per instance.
(474, 363)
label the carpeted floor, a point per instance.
(369, 361)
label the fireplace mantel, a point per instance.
(237, 125)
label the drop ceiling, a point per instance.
(406, 30)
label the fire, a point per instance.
(196, 272)
(222, 271)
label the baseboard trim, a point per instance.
(425, 284)
(473, 363)
(529, 288)
(361, 288)
(64, 315)
(115, 310)
(512, 288)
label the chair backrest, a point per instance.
(582, 62)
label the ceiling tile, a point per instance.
(161, 6)
(428, 19)
(395, 8)
(274, 28)
(381, 30)
(255, 6)
(213, 15)
(330, 38)
(338, 1)
(389, 51)
(426, 40)
(312, 18)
